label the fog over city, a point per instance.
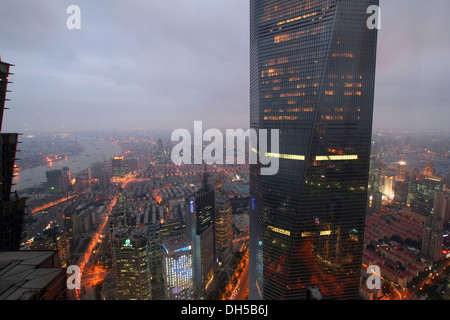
(164, 64)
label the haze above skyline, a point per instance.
(164, 64)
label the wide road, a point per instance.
(90, 277)
(240, 291)
(51, 204)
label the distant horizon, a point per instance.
(112, 130)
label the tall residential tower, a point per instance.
(312, 77)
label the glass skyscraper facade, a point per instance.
(200, 229)
(312, 77)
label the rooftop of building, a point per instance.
(177, 242)
(6, 64)
(27, 275)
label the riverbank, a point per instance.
(95, 150)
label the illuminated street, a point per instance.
(53, 203)
(238, 291)
(94, 275)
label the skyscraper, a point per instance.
(116, 164)
(178, 268)
(53, 179)
(160, 153)
(422, 193)
(157, 232)
(64, 183)
(312, 71)
(200, 229)
(442, 206)
(432, 237)
(223, 223)
(131, 265)
(54, 239)
(119, 166)
(402, 171)
(12, 208)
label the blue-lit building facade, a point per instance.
(178, 268)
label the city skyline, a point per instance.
(95, 203)
(148, 66)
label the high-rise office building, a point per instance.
(12, 208)
(402, 168)
(154, 250)
(54, 239)
(200, 229)
(224, 230)
(376, 202)
(58, 180)
(422, 193)
(119, 166)
(53, 179)
(64, 182)
(178, 268)
(377, 175)
(118, 219)
(131, 265)
(432, 238)
(70, 225)
(160, 156)
(104, 181)
(156, 232)
(116, 164)
(312, 77)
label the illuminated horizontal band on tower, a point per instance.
(278, 230)
(285, 156)
(303, 158)
(337, 157)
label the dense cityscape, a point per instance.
(139, 190)
(353, 212)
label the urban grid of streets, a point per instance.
(236, 287)
(93, 271)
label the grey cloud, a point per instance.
(167, 63)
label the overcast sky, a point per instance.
(160, 64)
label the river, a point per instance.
(95, 150)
